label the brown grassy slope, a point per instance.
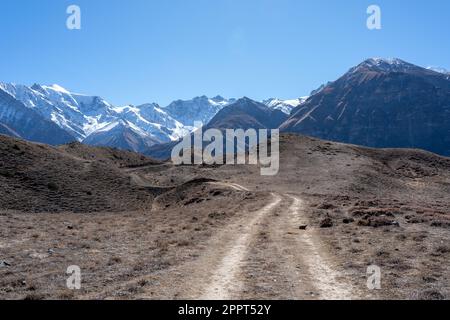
(40, 178)
(318, 167)
(110, 156)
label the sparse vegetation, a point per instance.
(135, 226)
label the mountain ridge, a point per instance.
(380, 103)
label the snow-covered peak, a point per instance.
(83, 116)
(123, 108)
(57, 88)
(439, 70)
(380, 61)
(200, 109)
(153, 120)
(384, 65)
(220, 101)
(79, 115)
(272, 102)
(285, 106)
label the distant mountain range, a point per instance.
(378, 103)
(243, 114)
(53, 115)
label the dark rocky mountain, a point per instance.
(245, 114)
(380, 103)
(161, 151)
(19, 121)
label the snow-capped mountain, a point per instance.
(82, 116)
(91, 119)
(379, 65)
(383, 103)
(439, 69)
(154, 121)
(243, 113)
(285, 106)
(383, 65)
(79, 115)
(198, 109)
(20, 121)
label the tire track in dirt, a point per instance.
(262, 255)
(327, 281)
(284, 262)
(225, 281)
(234, 186)
(275, 267)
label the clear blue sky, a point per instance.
(138, 51)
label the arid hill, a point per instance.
(73, 178)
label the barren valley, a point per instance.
(143, 229)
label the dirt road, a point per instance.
(226, 282)
(261, 255)
(270, 257)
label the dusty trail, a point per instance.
(270, 258)
(225, 280)
(327, 281)
(234, 186)
(259, 255)
(284, 262)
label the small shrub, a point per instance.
(326, 223)
(52, 186)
